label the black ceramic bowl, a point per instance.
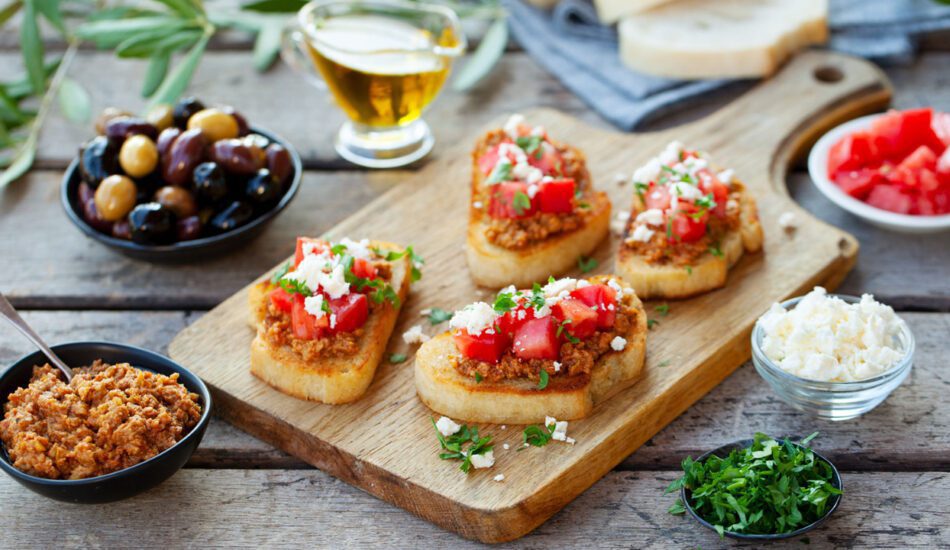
(130, 481)
(742, 444)
(184, 250)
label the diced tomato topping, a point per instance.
(548, 160)
(941, 127)
(858, 183)
(890, 197)
(918, 170)
(657, 196)
(577, 318)
(281, 300)
(487, 347)
(298, 254)
(943, 165)
(350, 310)
(537, 339)
(601, 297)
(510, 321)
(852, 152)
(364, 268)
(556, 196)
(688, 225)
(306, 326)
(720, 191)
(488, 161)
(509, 199)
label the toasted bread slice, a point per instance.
(496, 266)
(332, 380)
(443, 389)
(708, 272)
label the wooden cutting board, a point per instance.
(385, 444)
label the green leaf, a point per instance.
(397, 358)
(184, 7)
(32, 46)
(74, 101)
(275, 6)
(148, 43)
(267, 44)
(543, 379)
(21, 162)
(110, 33)
(50, 10)
(586, 265)
(176, 82)
(438, 316)
(21, 88)
(10, 10)
(485, 57)
(155, 73)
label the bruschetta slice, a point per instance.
(554, 350)
(323, 321)
(689, 224)
(533, 211)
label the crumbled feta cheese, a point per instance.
(357, 249)
(557, 367)
(477, 205)
(312, 272)
(618, 343)
(512, 125)
(619, 223)
(653, 216)
(447, 426)
(648, 172)
(727, 176)
(425, 312)
(314, 305)
(474, 318)
(525, 172)
(537, 131)
(559, 433)
(505, 446)
(504, 427)
(788, 221)
(620, 178)
(612, 283)
(532, 191)
(414, 335)
(499, 477)
(686, 191)
(559, 286)
(671, 155)
(825, 338)
(333, 320)
(642, 233)
(486, 460)
(732, 206)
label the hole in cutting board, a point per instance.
(828, 74)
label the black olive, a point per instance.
(91, 214)
(188, 228)
(262, 190)
(147, 187)
(85, 192)
(186, 107)
(98, 159)
(209, 184)
(234, 215)
(122, 230)
(152, 223)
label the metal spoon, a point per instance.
(11, 314)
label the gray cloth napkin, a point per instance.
(570, 43)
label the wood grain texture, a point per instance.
(308, 509)
(750, 135)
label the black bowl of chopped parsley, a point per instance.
(759, 489)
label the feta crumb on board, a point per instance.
(505, 446)
(788, 221)
(414, 335)
(825, 338)
(559, 433)
(486, 460)
(618, 343)
(499, 477)
(447, 426)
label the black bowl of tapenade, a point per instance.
(128, 420)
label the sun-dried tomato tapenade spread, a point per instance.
(110, 417)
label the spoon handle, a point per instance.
(7, 310)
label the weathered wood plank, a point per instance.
(100, 279)
(292, 509)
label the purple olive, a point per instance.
(165, 140)
(236, 156)
(209, 184)
(183, 110)
(188, 228)
(92, 217)
(262, 191)
(122, 230)
(279, 163)
(120, 128)
(185, 153)
(243, 128)
(152, 223)
(85, 192)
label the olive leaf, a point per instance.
(21, 88)
(267, 44)
(50, 10)
(487, 54)
(74, 101)
(109, 33)
(21, 161)
(275, 6)
(155, 73)
(32, 47)
(10, 10)
(174, 85)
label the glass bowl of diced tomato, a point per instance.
(890, 169)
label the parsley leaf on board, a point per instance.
(651, 323)
(770, 487)
(538, 436)
(663, 309)
(586, 265)
(438, 316)
(454, 446)
(397, 358)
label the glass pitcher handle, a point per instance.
(291, 51)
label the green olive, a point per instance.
(115, 197)
(177, 199)
(160, 116)
(138, 156)
(107, 115)
(215, 124)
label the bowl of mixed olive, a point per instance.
(180, 182)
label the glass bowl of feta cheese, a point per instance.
(832, 356)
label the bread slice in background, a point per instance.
(610, 11)
(692, 39)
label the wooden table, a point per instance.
(239, 491)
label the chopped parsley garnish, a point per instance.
(669, 227)
(663, 309)
(715, 251)
(521, 202)
(530, 144)
(505, 302)
(689, 270)
(397, 358)
(325, 306)
(381, 290)
(501, 172)
(281, 271)
(664, 363)
(538, 436)
(562, 330)
(583, 205)
(651, 323)
(338, 249)
(478, 378)
(293, 286)
(537, 300)
(586, 265)
(415, 260)
(438, 316)
(641, 188)
(770, 487)
(543, 379)
(462, 445)
(707, 202)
